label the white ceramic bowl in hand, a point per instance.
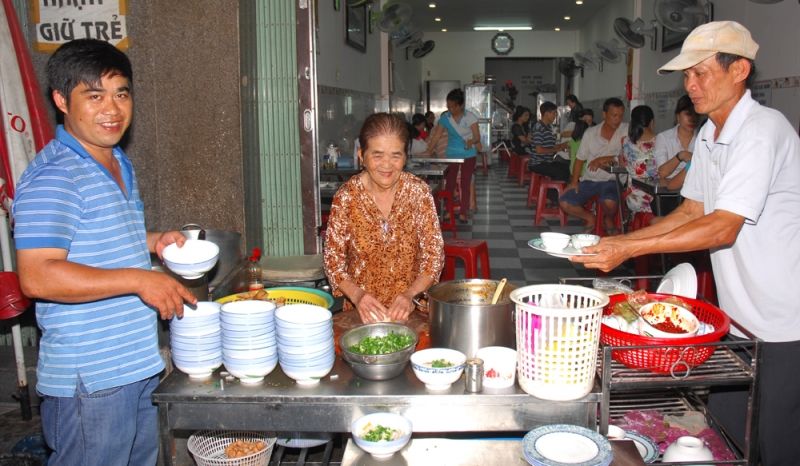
(191, 260)
(582, 240)
(658, 317)
(382, 449)
(438, 378)
(554, 241)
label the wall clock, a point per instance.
(502, 43)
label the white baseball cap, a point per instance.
(707, 40)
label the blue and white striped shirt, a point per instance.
(66, 200)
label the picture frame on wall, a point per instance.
(356, 27)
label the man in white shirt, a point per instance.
(599, 148)
(743, 203)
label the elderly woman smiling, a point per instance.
(383, 243)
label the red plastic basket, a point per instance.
(667, 355)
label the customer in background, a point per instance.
(84, 254)
(463, 142)
(430, 121)
(419, 135)
(674, 146)
(575, 143)
(587, 116)
(383, 244)
(520, 137)
(567, 123)
(742, 201)
(637, 156)
(549, 157)
(600, 147)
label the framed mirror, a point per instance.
(356, 27)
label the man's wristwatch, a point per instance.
(678, 156)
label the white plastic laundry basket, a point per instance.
(558, 330)
(208, 448)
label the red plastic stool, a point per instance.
(444, 201)
(542, 210)
(523, 169)
(513, 165)
(533, 190)
(504, 156)
(599, 224)
(471, 251)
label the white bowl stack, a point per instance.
(305, 342)
(249, 347)
(195, 340)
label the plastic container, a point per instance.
(558, 332)
(208, 448)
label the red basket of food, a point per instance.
(667, 355)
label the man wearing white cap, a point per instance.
(742, 201)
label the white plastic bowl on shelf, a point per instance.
(302, 315)
(198, 370)
(385, 448)
(191, 260)
(306, 375)
(438, 378)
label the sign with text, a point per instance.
(60, 21)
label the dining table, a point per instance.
(659, 192)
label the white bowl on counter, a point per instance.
(382, 449)
(438, 378)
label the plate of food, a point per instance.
(568, 251)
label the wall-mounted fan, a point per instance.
(569, 68)
(588, 60)
(610, 50)
(683, 15)
(634, 32)
(394, 16)
(424, 49)
(406, 37)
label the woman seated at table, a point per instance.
(419, 135)
(638, 158)
(520, 135)
(383, 244)
(674, 146)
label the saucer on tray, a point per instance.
(568, 251)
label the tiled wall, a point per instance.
(341, 114)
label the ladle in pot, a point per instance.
(499, 290)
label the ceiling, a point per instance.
(463, 15)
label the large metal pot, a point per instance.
(462, 317)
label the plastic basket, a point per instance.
(557, 343)
(291, 295)
(208, 448)
(666, 355)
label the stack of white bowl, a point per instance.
(249, 347)
(305, 342)
(195, 340)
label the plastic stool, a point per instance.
(446, 206)
(503, 156)
(542, 210)
(523, 169)
(599, 224)
(513, 165)
(533, 190)
(471, 251)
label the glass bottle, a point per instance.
(254, 277)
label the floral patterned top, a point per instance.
(383, 256)
(639, 158)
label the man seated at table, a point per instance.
(599, 148)
(548, 158)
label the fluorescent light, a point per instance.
(502, 28)
(437, 19)
(444, 29)
(556, 29)
(579, 2)
(567, 18)
(431, 5)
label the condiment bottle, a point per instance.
(254, 278)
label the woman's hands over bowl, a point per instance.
(371, 310)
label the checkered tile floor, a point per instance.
(506, 223)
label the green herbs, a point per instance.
(436, 363)
(390, 343)
(378, 433)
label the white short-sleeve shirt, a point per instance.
(753, 169)
(593, 145)
(668, 145)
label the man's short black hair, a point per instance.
(85, 61)
(612, 102)
(547, 106)
(457, 96)
(725, 60)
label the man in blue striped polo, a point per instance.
(84, 254)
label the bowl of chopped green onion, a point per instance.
(378, 351)
(381, 434)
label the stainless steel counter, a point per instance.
(279, 404)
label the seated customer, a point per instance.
(548, 157)
(383, 244)
(419, 135)
(599, 148)
(520, 137)
(637, 157)
(674, 147)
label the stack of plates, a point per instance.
(563, 444)
(195, 340)
(249, 346)
(305, 342)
